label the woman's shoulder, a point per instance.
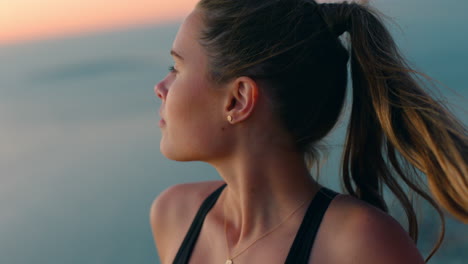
(354, 231)
(184, 195)
(173, 210)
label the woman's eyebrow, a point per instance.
(175, 54)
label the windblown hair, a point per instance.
(396, 131)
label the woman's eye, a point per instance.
(172, 69)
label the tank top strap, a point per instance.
(185, 250)
(305, 237)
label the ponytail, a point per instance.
(396, 129)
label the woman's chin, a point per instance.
(174, 155)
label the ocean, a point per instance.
(79, 157)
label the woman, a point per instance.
(255, 86)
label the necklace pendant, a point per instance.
(229, 261)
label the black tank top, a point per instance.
(302, 245)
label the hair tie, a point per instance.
(337, 16)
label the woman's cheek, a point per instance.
(178, 101)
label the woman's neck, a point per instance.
(262, 190)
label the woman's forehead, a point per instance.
(185, 42)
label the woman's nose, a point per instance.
(159, 90)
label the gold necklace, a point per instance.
(230, 258)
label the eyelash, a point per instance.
(172, 69)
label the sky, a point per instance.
(23, 20)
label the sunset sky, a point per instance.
(22, 20)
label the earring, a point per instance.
(229, 118)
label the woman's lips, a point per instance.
(162, 122)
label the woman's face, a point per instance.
(192, 107)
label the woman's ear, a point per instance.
(243, 98)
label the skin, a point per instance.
(266, 178)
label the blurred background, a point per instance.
(79, 141)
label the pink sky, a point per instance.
(23, 20)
